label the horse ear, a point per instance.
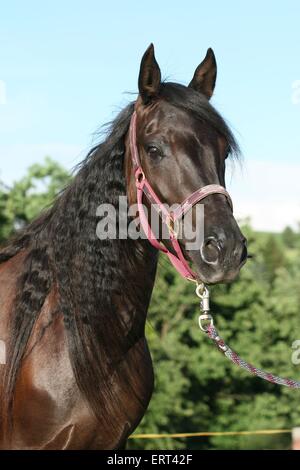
(149, 76)
(205, 75)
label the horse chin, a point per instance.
(217, 278)
(218, 275)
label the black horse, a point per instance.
(73, 307)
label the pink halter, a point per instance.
(144, 187)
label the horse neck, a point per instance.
(104, 275)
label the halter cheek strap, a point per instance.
(143, 187)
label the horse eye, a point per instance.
(154, 152)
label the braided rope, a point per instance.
(234, 357)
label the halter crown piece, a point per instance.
(178, 260)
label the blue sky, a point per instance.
(65, 68)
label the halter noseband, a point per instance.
(143, 187)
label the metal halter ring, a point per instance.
(173, 226)
(200, 289)
(139, 176)
(205, 316)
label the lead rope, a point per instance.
(209, 328)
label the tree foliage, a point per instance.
(27, 197)
(196, 388)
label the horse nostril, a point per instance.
(210, 250)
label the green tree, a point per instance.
(28, 196)
(4, 221)
(289, 237)
(274, 257)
